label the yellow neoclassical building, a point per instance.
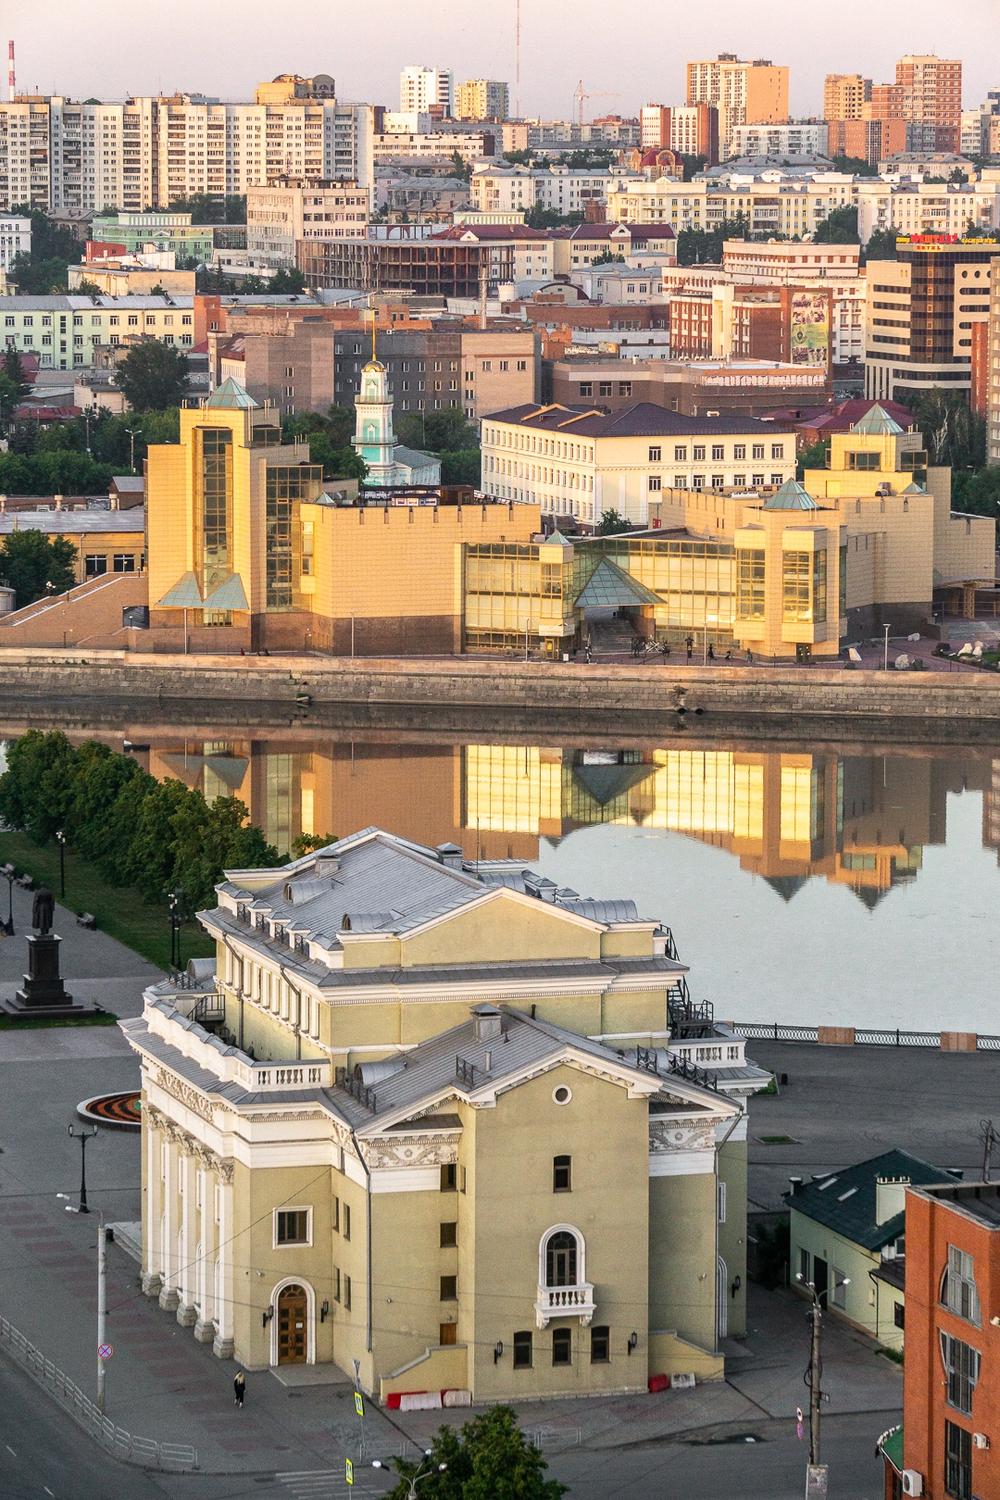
(443, 1123)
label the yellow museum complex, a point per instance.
(443, 1124)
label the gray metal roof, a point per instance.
(73, 521)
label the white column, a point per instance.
(168, 1225)
(152, 1281)
(187, 1270)
(223, 1343)
(204, 1328)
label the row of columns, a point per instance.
(187, 1254)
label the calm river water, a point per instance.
(801, 886)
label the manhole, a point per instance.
(120, 1110)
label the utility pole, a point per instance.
(815, 1377)
(102, 1307)
(988, 1137)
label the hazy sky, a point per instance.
(636, 48)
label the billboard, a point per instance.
(809, 328)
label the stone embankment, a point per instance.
(473, 694)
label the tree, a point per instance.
(840, 227)
(611, 523)
(13, 370)
(606, 259)
(329, 439)
(881, 245)
(305, 843)
(87, 288)
(10, 397)
(813, 457)
(692, 165)
(438, 431)
(288, 279)
(855, 166)
(953, 432)
(460, 167)
(462, 466)
(704, 246)
(977, 494)
(153, 376)
(490, 1459)
(43, 269)
(30, 563)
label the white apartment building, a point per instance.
(15, 239)
(482, 99)
(60, 155)
(782, 209)
(927, 207)
(579, 461)
(438, 145)
(283, 212)
(791, 138)
(559, 188)
(65, 331)
(421, 88)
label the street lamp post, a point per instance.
(61, 839)
(418, 1477)
(812, 1377)
(885, 657)
(131, 448)
(8, 872)
(175, 930)
(83, 1136)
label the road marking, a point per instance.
(48, 1491)
(10, 1450)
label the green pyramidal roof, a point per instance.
(913, 488)
(557, 538)
(876, 422)
(231, 396)
(791, 496)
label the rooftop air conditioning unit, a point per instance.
(913, 1482)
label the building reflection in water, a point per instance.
(861, 821)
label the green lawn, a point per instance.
(120, 910)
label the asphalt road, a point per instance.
(45, 1455)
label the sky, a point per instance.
(634, 49)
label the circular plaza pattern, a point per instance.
(122, 1110)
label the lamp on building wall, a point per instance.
(633, 1341)
(737, 1283)
(268, 1315)
(324, 1311)
(498, 1351)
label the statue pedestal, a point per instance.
(43, 992)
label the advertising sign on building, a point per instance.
(809, 331)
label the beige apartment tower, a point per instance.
(745, 93)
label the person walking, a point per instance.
(749, 657)
(711, 653)
(689, 643)
(240, 1388)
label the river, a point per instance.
(810, 885)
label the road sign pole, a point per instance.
(102, 1309)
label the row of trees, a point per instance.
(157, 836)
(451, 438)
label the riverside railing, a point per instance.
(148, 1452)
(776, 1031)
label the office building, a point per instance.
(744, 93)
(793, 569)
(482, 99)
(57, 154)
(286, 211)
(427, 90)
(945, 1446)
(920, 311)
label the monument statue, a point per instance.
(43, 910)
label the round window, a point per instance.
(562, 1095)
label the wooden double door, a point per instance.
(293, 1326)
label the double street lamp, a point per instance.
(418, 1478)
(83, 1136)
(9, 873)
(61, 840)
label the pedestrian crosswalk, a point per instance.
(324, 1484)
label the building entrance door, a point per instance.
(293, 1308)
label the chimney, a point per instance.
(450, 855)
(487, 1023)
(326, 864)
(890, 1197)
(795, 1184)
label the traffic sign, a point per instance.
(359, 1405)
(105, 1351)
(348, 1471)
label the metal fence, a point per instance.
(774, 1031)
(180, 1457)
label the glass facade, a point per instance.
(750, 577)
(796, 603)
(215, 507)
(286, 486)
(819, 588)
(510, 593)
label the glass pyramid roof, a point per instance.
(791, 496)
(876, 421)
(609, 586)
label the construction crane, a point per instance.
(581, 95)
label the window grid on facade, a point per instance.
(958, 1290)
(215, 522)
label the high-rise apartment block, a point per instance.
(690, 130)
(745, 93)
(482, 99)
(60, 155)
(932, 98)
(424, 90)
(845, 95)
(287, 210)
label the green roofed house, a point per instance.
(846, 1237)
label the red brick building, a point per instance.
(950, 1440)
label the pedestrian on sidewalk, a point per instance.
(240, 1388)
(689, 643)
(711, 652)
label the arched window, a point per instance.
(562, 1257)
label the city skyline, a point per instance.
(480, 43)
